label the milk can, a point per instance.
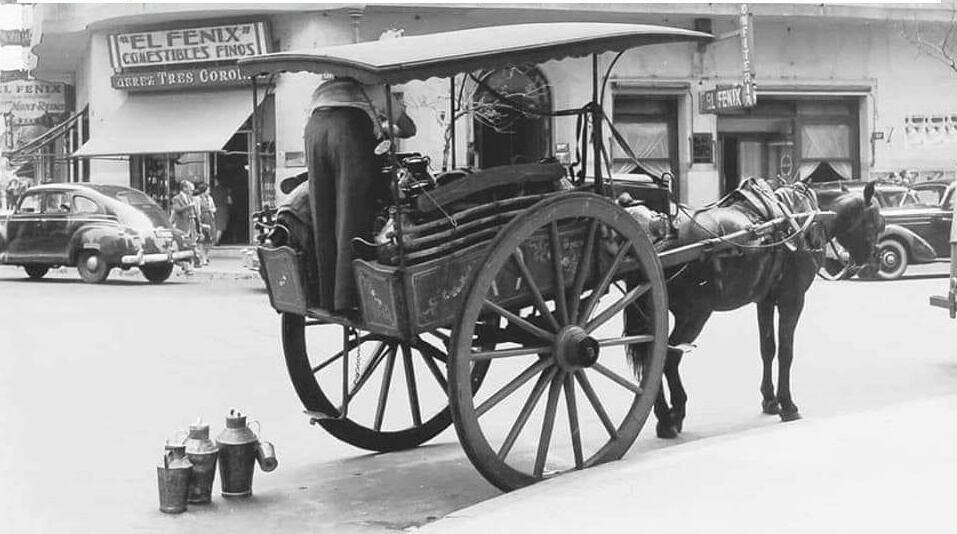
(237, 456)
(173, 478)
(202, 452)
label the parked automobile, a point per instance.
(93, 227)
(918, 222)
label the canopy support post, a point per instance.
(596, 118)
(452, 121)
(254, 179)
(394, 165)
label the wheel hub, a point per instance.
(889, 259)
(575, 349)
(92, 262)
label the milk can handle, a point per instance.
(259, 429)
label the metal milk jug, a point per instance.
(237, 456)
(173, 478)
(203, 453)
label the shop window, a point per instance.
(516, 131)
(826, 152)
(650, 127)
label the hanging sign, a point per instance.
(737, 96)
(188, 45)
(746, 32)
(29, 109)
(20, 37)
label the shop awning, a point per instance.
(171, 122)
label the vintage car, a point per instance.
(93, 227)
(918, 222)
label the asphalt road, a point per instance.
(94, 379)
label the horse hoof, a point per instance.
(771, 407)
(790, 415)
(666, 431)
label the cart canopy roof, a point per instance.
(445, 54)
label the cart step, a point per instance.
(316, 417)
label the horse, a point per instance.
(774, 276)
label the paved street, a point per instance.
(93, 379)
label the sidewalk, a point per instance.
(891, 470)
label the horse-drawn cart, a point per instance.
(523, 270)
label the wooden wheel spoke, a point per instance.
(613, 310)
(370, 367)
(410, 385)
(519, 322)
(436, 372)
(605, 282)
(509, 353)
(560, 303)
(573, 427)
(584, 269)
(548, 424)
(384, 391)
(526, 411)
(596, 403)
(510, 388)
(533, 288)
(618, 379)
(627, 340)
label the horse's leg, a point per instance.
(687, 328)
(769, 402)
(789, 312)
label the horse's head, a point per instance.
(858, 224)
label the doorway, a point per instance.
(230, 191)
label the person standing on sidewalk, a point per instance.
(207, 214)
(184, 218)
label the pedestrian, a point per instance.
(184, 217)
(340, 137)
(223, 202)
(207, 215)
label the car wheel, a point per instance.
(158, 272)
(893, 259)
(36, 272)
(91, 267)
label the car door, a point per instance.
(56, 212)
(940, 223)
(23, 229)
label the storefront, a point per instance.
(187, 115)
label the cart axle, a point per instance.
(574, 349)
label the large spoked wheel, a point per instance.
(560, 340)
(380, 393)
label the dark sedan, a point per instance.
(95, 228)
(918, 222)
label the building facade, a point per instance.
(841, 93)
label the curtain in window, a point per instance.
(827, 142)
(649, 141)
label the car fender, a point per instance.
(918, 249)
(108, 239)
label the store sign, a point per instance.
(187, 45)
(15, 37)
(723, 99)
(30, 108)
(180, 78)
(738, 96)
(746, 32)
